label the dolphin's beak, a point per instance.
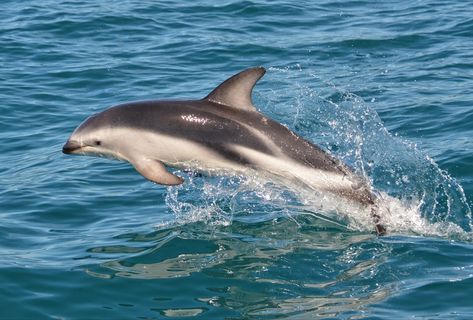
(71, 146)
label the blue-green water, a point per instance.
(386, 87)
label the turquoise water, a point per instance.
(388, 88)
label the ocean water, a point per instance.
(385, 86)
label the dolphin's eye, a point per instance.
(98, 142)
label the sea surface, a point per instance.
(386, 86)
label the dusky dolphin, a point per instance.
(222, 133)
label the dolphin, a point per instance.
(222, 133)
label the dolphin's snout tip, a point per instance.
(70, 147)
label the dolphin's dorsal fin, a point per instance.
(236, 91)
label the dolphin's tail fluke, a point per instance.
(380, 229)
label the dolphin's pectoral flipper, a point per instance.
(155, 171)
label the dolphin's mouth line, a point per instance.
(71, 147)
